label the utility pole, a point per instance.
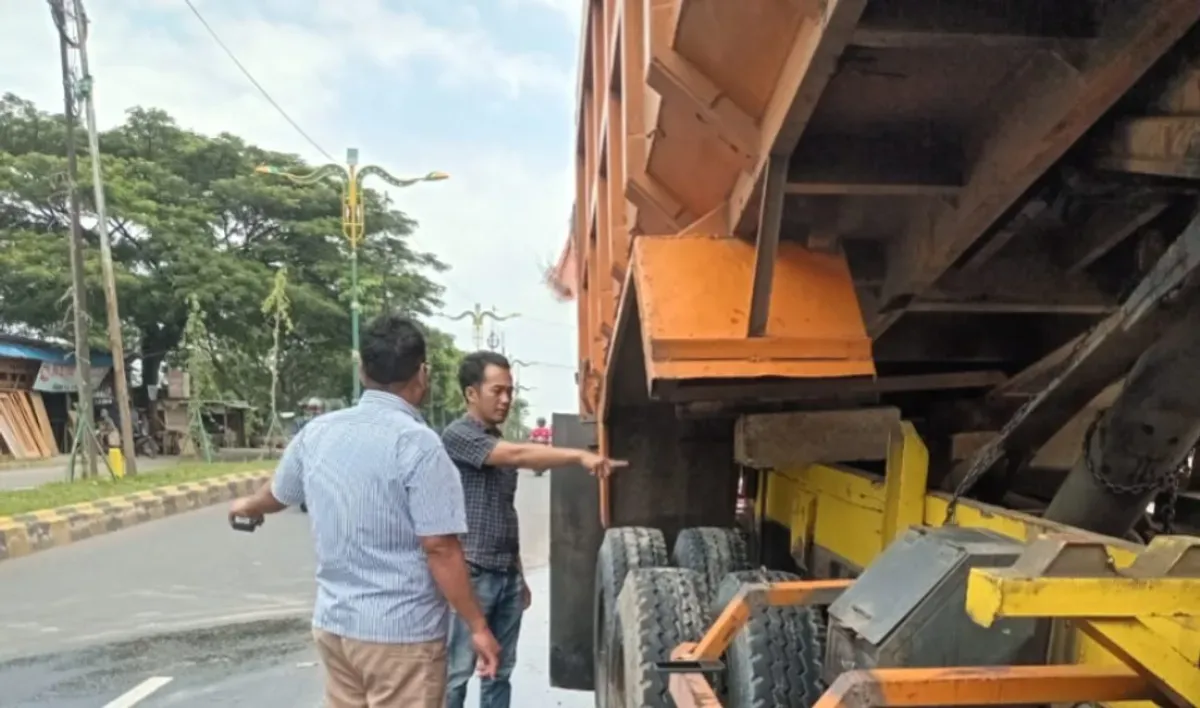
(83, 354)
(120, 382)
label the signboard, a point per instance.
(60, 378)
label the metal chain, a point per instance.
(1128, 313)
(1168, 512)
(1168, 484)
(1137, 488)
(996, 451)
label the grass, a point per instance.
(55, 494)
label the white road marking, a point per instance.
(139, 692)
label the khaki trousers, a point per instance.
(367, 675)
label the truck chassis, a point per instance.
(890, 268)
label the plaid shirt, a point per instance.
(493, 538)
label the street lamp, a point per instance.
(350, 177)
(478, 315)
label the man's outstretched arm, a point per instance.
(257, 505)
(286, 487)
(476, 448)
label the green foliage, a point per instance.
(444, 402)
(200, 368)
(190, 218)
(59, 494)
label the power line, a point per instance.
(257, 85)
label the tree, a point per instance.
(445, 401)
(278, 308)
(189, 218)
(201, 379)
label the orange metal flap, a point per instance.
(693, 293)
(562, 276)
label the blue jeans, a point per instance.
(499, 596)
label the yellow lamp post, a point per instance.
(350, 177)
(478, 315)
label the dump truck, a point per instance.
(892, 307)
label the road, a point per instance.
(184, 612)
(36, 475)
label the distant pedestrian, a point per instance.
(489, 467)
(386, 507)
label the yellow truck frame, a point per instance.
(1136, 611)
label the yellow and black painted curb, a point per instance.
(36, 531)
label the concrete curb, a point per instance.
(24, 534)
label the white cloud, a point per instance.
(570, 10)
(496, 222)
(392, 39)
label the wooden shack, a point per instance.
(37, 396)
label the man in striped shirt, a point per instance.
(489, 467)
(386, 507)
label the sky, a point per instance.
(480, 89)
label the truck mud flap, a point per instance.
(575, 536)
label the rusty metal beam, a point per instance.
(984, 685)
(1054, 102)
(733, 617)
(1104, 230)
(1023, 25)
(1021, 282)
(868, 38)
(819, 43)
(1102, 357)
(833, 389)
(649, 195)
(1165, 146)
(677, 80)
(690, 690)
(889, 163)
(1021, 383)
(767, 245)
(1027, 215)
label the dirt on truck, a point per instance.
(892, 306)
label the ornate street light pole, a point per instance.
(350, 177)
(478, 315)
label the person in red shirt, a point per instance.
(540, 435)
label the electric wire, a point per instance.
(246, 72)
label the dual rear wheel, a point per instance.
(644, 609)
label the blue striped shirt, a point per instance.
(375, 479)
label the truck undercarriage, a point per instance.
(919, 277)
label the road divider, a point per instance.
(22, 534)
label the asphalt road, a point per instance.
(184, 612)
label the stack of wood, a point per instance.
(25, 432)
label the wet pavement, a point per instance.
(183, 612)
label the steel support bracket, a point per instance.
(984, 685)
(1129, 611)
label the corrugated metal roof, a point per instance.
(22, 348)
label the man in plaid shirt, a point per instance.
(488, 466)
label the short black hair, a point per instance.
(475, 364)
(393, 349)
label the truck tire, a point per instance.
(712, 552)
(656, 611)
(775, 660)
(623, 549)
